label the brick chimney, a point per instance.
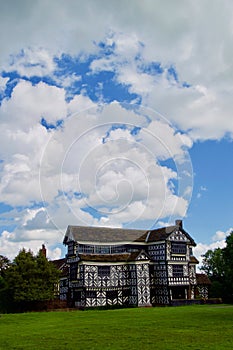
(43, 250)
(179, 223)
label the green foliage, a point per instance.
(218, 265)
(213, 263)
(228, 259)
(188, 327)
(4, 264)
(29, 278)
(216, 289)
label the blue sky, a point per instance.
(115, 115)
(213, 191)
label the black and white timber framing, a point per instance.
(114, 266)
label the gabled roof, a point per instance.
(202, 278)
(139, 255)
(193, 260)
(163, 233)
(102, 234)
(160, 234)
(61, 265)
(95, 235)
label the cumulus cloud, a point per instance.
(29, 103)
(207, 104)
(81, 154)
(165, 26)
(109, 167)
(221, 236)
(101, 158)
(10, 248)
(166, 29)
(218, 241)
(32, 62)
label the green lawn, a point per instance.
(188, 327)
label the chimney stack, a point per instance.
(43, 250)
(179, 223)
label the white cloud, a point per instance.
(32, 62)
(163, 139)
(19, 183)
(3, 82)
(102, 64)
(11, 248)
(119, 177)
(218, 241)
(221, 236)
(79, 104)
(202, 44)
(203, 109)
(207, 102)
(201, 52)
(28, 104)
(120, 172)
(202, 189)
(24, 138)
(139, 83)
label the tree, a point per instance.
(213, 263)
(228, 253)
(4, 264)
(218, 265)
(228, 259)
(214, 267)
(30, 278)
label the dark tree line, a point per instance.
(218, 265)
(27, 280)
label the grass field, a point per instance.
(189, 327)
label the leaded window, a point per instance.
(118, 249)
(111, 294)
(177, 270)
(71, 248)
(178, 248)
(86, 249)
(73, 272)
(102, 249)
(91, 294)
(104, 271)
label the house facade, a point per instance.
(203, 286)
(114, 266)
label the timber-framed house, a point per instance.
(114, 266)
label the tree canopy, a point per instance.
(28, 279)
(218, 265)
(4, 264)
(213, 263)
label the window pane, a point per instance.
(177, 270)
(111, 294)
(91, 294)
(104, 271)
(178, 248)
